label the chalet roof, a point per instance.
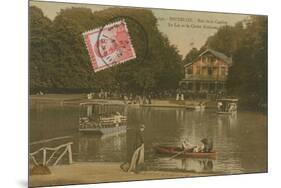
(215, 53)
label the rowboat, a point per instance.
(177, 150)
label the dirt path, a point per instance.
(81, 173)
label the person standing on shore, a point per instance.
(149, 99)
(137, 159)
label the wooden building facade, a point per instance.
(207, 74)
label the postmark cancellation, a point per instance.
(109, 45)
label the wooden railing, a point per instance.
(44, 150)
(102, 122)
(111, 120)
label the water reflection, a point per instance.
(93, 147)
(239, 139)
(205, 165)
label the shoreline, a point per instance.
(101, 172)
(76, 99)
(79, 98)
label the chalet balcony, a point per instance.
(192, 77)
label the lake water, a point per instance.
(241, 140)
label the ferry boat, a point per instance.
(227, 106)
(102, 117)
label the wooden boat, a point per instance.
(195, 107)
(176, 150)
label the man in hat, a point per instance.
(137, 159)
(207, 145)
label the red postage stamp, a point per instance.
(109, 45)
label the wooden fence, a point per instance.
(46, 161)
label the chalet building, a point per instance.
(207, 74)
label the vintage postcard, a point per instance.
(125, 93)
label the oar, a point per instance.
(176, 155)
(180, 153)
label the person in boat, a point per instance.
(207, 145)
(220, 105)
(232, 107)
(137, 160)
(187, 146)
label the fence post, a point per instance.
(69, 153)
(44, 157)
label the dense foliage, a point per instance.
(246, 43)
(59, 61)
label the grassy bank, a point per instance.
(97, 172)
(57, 97)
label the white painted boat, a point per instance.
(227, 106)
(102, 118)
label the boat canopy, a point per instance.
(101, 108)
(101, 114)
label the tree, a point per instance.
(69, 67)
(248, 76)
(246, 42)
(40, 28)
(192, 54)
(227, 39)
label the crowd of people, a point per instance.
(145, 97)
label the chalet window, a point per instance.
(203, 59)
(215, 71)
(223, 71)
(210, 71)
(198, 70)
(204, 71)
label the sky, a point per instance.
(184, 29)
